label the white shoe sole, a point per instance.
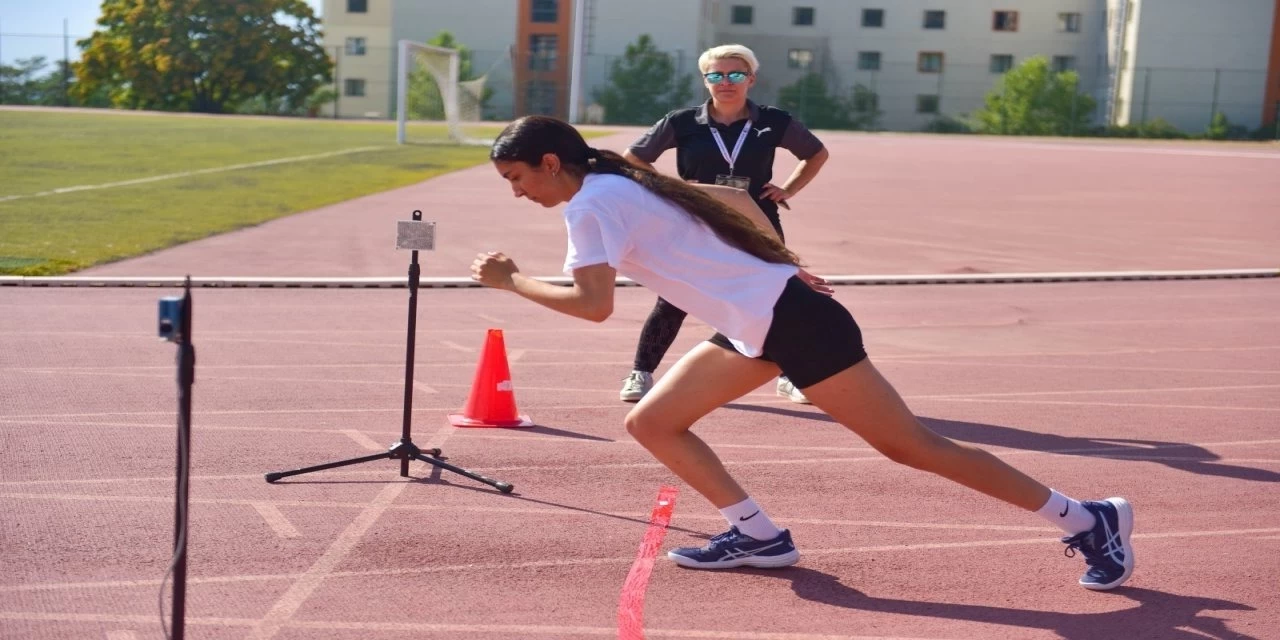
(1124, 518)
(760, 562)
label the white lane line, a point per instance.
(473, 567)
(363, 440)
(280, 614)
(456, 347)
(503, 630)
(185, 174)
(276, 520)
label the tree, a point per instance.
(22, 83)
(643, 85)
(1033, 100)
(422, 99)
(810, 101)
(204, 55)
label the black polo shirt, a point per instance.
(698, 158)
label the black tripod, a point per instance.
(405, 450)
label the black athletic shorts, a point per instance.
(812, 338)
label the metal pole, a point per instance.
(1213, 111)
(337, 88)
(1075, 99)
(1, 62)
(181, 519)
(1146, 94)
(941, 72)
(66, 65)
(579, 56)
(401, 91)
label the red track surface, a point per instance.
(1165, 392)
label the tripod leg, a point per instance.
(496, 484)
(276, 475)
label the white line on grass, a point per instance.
(185, 174)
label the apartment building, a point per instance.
(1181, 60)
(526, 46)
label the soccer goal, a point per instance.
(433, 103)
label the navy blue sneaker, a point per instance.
(1106, 546)
(736, 549)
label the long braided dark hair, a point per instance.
(529, 138)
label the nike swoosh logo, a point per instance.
(1065, 509)
(750, 516)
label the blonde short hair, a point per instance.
(728, 51)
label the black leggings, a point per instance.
(663, 324)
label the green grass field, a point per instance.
(45, 233)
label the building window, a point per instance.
(800, 58)
(355, 46)
(802, 16)
(540, 98)
(1001, 63)
(358, 6)
(742, 14)
(353, 87)
(930, 62)
(1004, 21)
(935, 19)
(546, 11)
(1064, 63)
(926, 104)
(869, 60)
(1069, 22)
(542, 52)
(873, 18)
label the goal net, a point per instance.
(434, 104)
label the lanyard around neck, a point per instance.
(732, 159)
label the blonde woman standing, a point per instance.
(728, 140)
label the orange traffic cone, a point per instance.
(492, 402)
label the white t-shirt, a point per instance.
(614, 220)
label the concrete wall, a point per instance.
(1192, 57)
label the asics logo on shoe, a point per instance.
(737, 552)
(746, 518)
(1112, 548)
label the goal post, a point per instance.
(452, 102)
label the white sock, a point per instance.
(1067, 514)
(750, 519)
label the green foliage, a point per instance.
(810, 101)
(1219, 128)
(23, 83)
(1158, 128)
(643, 85)
(1033, 100)
(947, 124)
(207, 56)
(423, 100)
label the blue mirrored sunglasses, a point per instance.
(735, 77)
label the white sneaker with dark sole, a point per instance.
(636, 386)
(788, 390)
